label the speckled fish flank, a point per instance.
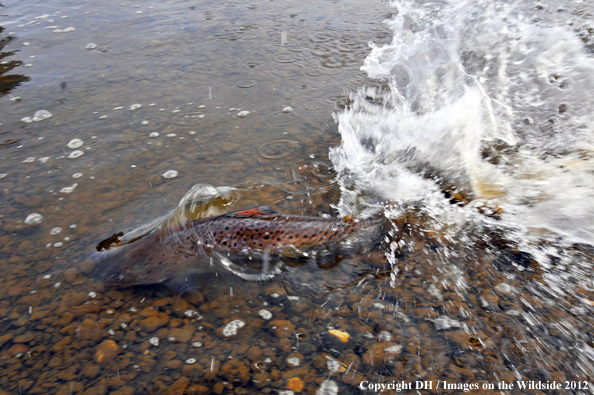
(253, 232)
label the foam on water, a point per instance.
(490, 100)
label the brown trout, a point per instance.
(253, 237)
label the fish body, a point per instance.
(259, 233)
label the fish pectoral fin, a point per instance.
(184, 281)
(262, 212)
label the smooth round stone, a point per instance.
(33, 219)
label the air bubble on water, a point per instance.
(243, 113)
(197, 344)
(27, 119)
(73, 226)
(135, 106)
(57, 285)
(75, 143)
(75, 154)
(332, 364)
(265, 314)
(69, 189)
(201, 106)
(154, 134)
(145, 122)
(201, 116)
(29, 159)
(384, 336)
(55, 231)
(66, 239)
(170, 174)
(58, 244)
(171, 135)
(231, 328)
(293, 361)
(191, 361)
(328, 387)
(77, 175)
(92, 294)
(44, 159)
(288, 109)
(33, 219)
(154, 341)
(152, 104)
(103, 116)
(91, 46)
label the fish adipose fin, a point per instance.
(262, 212)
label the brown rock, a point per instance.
(61, 344)
(173, 364)
(375, 355)
(295, 384)
(182, 335)
(5, 338)
(178, 387)
(106, 352)
(91, 370)
(24, 338)
(89, 330)
(197, 389)
(235, 372)
(125, 390)
(70, 275)
(151, 324)
(281, 328)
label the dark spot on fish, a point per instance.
(290, 237)
(266, 237)
(224, 243)
(278, 239)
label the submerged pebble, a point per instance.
(33, 219)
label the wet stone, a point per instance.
(295, 384)
(151, 324)
(281, 328)
(179, 387)
(106, 352)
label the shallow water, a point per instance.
(469, 127)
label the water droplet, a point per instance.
(154, 341)
(191, 361)
(55, 231)
(154, 134)
(91, 46)
(77, 175)
(243, 113)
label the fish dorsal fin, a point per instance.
(261, 212)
